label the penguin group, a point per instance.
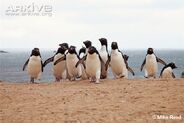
(92, 64)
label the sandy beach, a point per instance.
(112, 101)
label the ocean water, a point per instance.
(11, 64)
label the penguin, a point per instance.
(118, 62)
(104, 55)
(93, 64)
(150, 64)
(34, 65)
(59, 70)
(82, 53)
(167, 71)
(71, 58)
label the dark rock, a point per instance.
(1, 51)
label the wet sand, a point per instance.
(112, 101)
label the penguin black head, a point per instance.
(87, 43)
(61, 50)
(37, 49)
(82, 50)
(64, 45)
(172, 65)
(150, 51)
(72, 50)
(114, 45)
(35, 52)
(92, 50)
(103, 41)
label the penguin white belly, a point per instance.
(60, 68)
(71, 60)
(93, 65)
(125, 72)
(82, 55)
(103, 55)
(151, 66)
(167, 73)
(34, 67)
(118, 65)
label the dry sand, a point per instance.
(112, 101)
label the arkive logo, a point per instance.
(32, 9)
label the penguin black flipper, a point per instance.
(81, 61)
(59, 60)
(42, 65)
(25, 65)
(108, 56)
(144, 62)
(161, 61)
(99, 56)
(120, 52)
(173, 75)
(125, 57)
(51, 59)
(107, 63)
(130, 69)
(103, 69)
